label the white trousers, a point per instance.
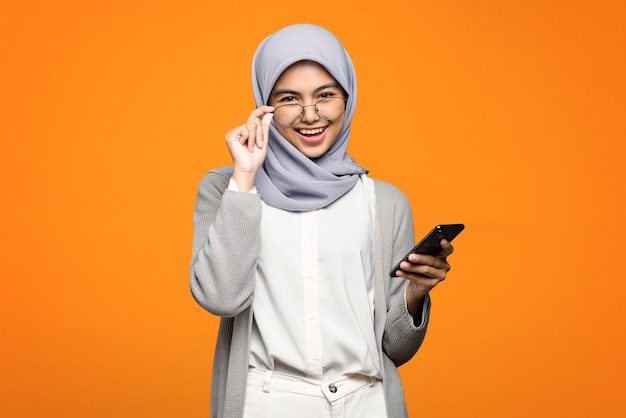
(275, 395)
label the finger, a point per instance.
(238, 134)
(426, 281)
(425, 270)
(253, 131)
(426, 260)
(259, 135)
(252, 128)
(265, 128)
(260, 112)
(244, 134)
(446, 249)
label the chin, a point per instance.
(313, 153)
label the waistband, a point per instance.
(270, 380)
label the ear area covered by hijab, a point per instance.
(288, 179)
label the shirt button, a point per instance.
(332, 388)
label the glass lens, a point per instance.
(288, 115)
(330, 108)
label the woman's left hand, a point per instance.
(424, 272)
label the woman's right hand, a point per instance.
(247, 145)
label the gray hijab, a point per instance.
(288, 179)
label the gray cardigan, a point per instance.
(226, 243)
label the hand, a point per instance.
(423, 273)
(247, 145)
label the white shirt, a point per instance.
(314, 296)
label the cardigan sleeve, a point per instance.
(226, 244)
(401, 338)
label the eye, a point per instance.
(330, 94)
(288, 99)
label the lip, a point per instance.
(312, 139)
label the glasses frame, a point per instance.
(317, 112)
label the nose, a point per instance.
(309, 113)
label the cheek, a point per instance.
(281, 130)
(337, 128)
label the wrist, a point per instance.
(244, 181)
(415, 304)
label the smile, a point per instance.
(311, 131)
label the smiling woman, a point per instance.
(292, 245)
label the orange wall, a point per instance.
(507, 116)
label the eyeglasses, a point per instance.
(327, 108)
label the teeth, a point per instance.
(311, 131)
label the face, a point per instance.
(305, 83)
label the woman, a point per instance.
(292, 248)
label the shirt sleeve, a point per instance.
(232, 185)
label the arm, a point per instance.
(404, 329)
(227, 240)
(226, 244)
(407, 319)
(423, 273)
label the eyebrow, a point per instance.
(320, 88)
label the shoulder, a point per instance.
(213, 183)
(389, 195)
(210, 192)
(387, 188)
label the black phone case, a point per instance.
(430, 244)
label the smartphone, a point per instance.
(431, 243)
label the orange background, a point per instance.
(507, 116)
